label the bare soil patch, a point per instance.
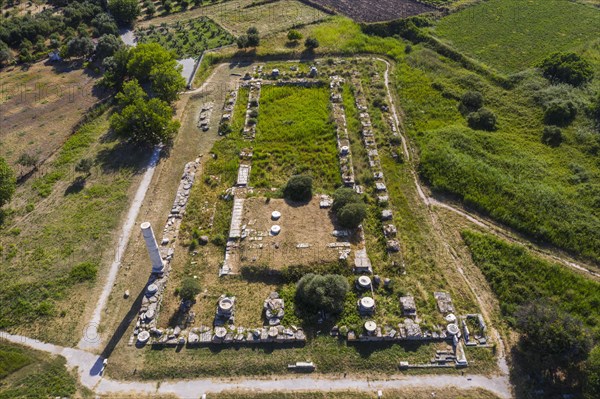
(376, 11)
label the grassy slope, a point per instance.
(295, 136)
(25, 373)
(67, 225)
(502, 33)
(517, 277)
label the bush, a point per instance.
(299, 188)
(322, 293)
(344, 196)
(592, 374)
(471, 101)
(190, 287)
(484, 119)
(294, 35)
(311, 43)
(566, 68)
(552, 136)
(352, 215)
(560, 113)
(218, 240)
(85, 271)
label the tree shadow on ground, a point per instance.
(124, 155)
(76, 186)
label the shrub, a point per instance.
(552, 136)
(352, 215)
(311, 43)
(484, 119)
(294, 35)
(560, 113)
(567, 68)
(85, 271)
(326, 293)
(344, 196)
(299, 188)
(592, 374)
(471, 101)
(218, 240)
(190, 287)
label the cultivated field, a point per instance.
(376, 11)
(511, 35)
(295, 135)
(38, 108)
(186, 39)
(238, 15)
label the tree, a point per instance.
(299, 188)
(146, 122)
(552, 136)
(560, 113)
(567, 68)
(344, 196)
(190, 287)
(124, 11)
(167, 81)
(294, 35)
(471, 101)
(242, 42)
(116, 68)
(253, 37)
(80, 47)
(146, 56)
(311, 43)
(592, 374)
(352, 215)
(322, 293)
(107, 46)
(484, 119)
(130, 94)
(5, 56)
(8, 182)
(554, 337)
(150, 10)
(104, 24)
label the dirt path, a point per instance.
(91, 338)
(89, 368)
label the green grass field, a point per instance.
(295, 136)
(511, 35)
(25, 373)
(186, 38)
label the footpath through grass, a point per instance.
(295, 135)
(511, 35)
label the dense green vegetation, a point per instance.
(295, 135)
(511, 35)
(28, 374)
(554, 308)
(187, 39)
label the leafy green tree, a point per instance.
(299, 188)
(567, 68)
(294, 35)
(552, 136)
(130, 94)
(80, 47)
(146, 122)
(190, 287)
(351, 215)
(167, 81)
(326, 293)
(104, 24)
(125, 12)
(107, 46)
(115, 68)
(146, 56)
(253, 37)
(554, 338)
(311, 43)
(484, 119)
(8, 182)
(591, 388)
(242, 42)
(344, 196)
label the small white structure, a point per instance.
(275, 229)
(452, 329)
(451, 318)
(366, 305)
(275, 215)
(364, 282)
(143, 337)
(275, 73)
(152, 247)
(370, 327)
(344, 150)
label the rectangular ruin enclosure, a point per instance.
(306, 236)
(295, 135)
(376, 11)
